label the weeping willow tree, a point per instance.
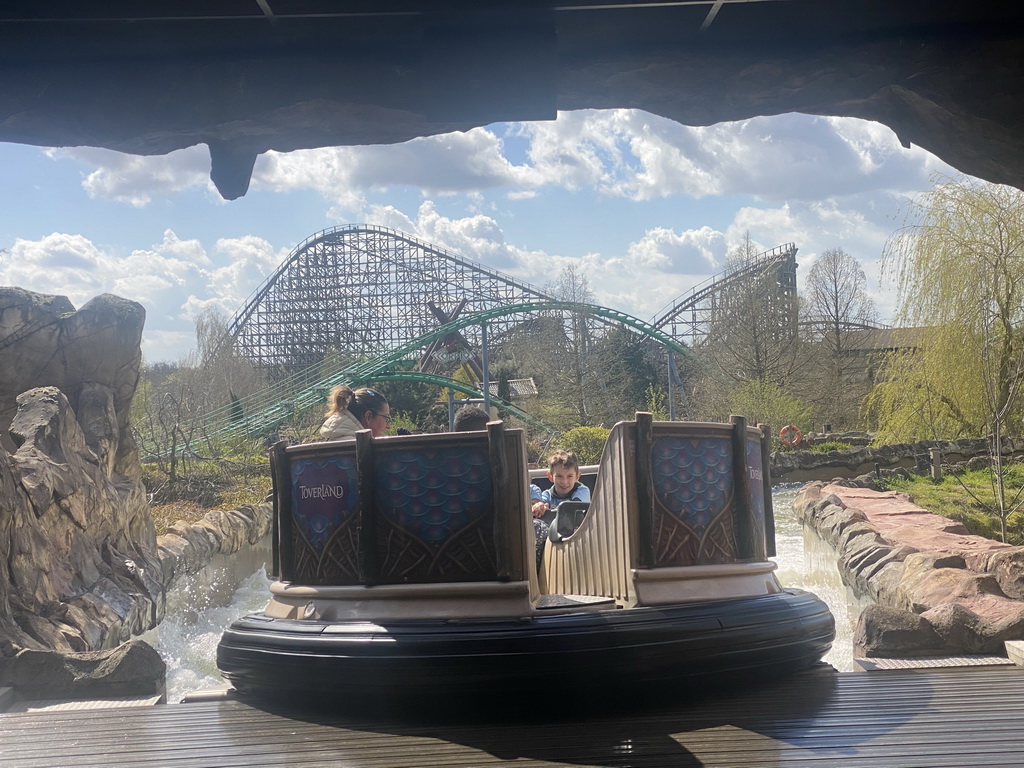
(959, 271)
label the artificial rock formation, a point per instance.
(129, 669)
(187, 548)
(938, 589)
(81, 568)
(76, 536)
(47, 343)
(81, 564)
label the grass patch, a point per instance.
(971, 507)
(205, 485)
(165, 515)
(831, 445)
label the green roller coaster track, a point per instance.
(300, 392)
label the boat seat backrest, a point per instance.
(432, 508)
(668, 494)
(704, 500)
(595, 559)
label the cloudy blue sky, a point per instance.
(646, 206)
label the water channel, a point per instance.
(200, 607)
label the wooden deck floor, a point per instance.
(945, 717)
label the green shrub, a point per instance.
(402, 420)
(656, 403)
(586, 442)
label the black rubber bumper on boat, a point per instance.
(610, 649)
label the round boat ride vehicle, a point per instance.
(406, 569)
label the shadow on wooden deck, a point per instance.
(947, 717)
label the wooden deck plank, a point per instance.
(945, 717)
(924, 725)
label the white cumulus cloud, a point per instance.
(691, 252)
(174, 279)
(61, 265)
(137, 179)
(641, 156)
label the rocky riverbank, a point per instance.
(938, 590)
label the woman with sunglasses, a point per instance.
(352, 410)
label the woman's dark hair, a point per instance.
(359, 401)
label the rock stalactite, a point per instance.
(943, 76)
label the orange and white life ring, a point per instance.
(791, 436)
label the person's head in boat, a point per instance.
(470, 418)
(353, 409)
(563, 472)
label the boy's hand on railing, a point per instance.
(539, 508)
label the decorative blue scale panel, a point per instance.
(693, 490)
(693, 478)
(434, 494)
(435, 512)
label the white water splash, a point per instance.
(188, 636)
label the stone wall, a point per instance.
(188, 547)
(807, 466)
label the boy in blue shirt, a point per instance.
(564, 474)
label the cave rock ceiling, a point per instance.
(247, 76)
